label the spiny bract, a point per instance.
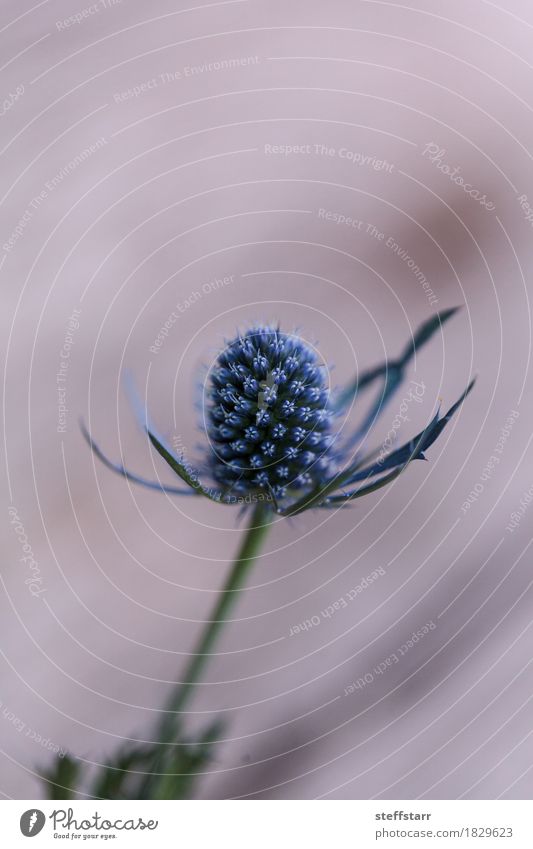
(270, 421)
(269, 416)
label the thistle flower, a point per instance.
(273, 427)
(274, 440)
(269, 415)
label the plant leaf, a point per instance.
(141, 414)
(393, 373)
(181, 470)
(180, 766)
(120, 469)
(366, 378)
(425, 332)
(412, 450)
(431, 432)
(61, 780)
(402, 456)
(114, 777)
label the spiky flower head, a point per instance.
(269, 414)
(272, 427)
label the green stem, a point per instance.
(249, 549)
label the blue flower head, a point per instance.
(272, 427)
(269, 415)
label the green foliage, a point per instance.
(62, 779)
(130, 772)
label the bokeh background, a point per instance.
(182, 158)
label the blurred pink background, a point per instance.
(150, 150)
